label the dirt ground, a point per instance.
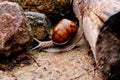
(76, 64)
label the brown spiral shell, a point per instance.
(64, 31)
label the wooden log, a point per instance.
(101, 30)
(108, 46)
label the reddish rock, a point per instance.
(13, 29)
(3, 0)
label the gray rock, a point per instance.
(39, 25)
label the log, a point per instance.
(101, 30)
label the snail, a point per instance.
(65, 35)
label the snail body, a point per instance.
(63, 32)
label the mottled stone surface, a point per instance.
(75, 64)
(13, 29)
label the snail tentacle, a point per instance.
(44, 44)
(38, 46)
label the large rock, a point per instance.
(14, 36)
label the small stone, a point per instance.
(22, 65)
(39, 24)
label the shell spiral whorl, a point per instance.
(63, 32)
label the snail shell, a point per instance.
(63, 32)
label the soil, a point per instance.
(76, 64)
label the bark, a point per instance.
(100, 30)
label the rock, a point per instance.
(3, 0)
(39, 25)
(14, 36)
